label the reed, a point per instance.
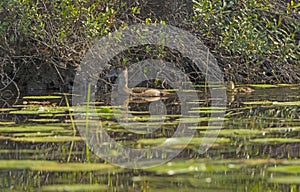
(87, 152)
(73, 126)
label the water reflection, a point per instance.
(9, 91)
(257, 148)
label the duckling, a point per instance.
(232, 88)
(141, 91)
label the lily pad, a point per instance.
(7, 109)
(287, 103)
(45, 97)
(209, 108)
(291, 162)
(191, 91)
(205, 127)
(70, 167)
(38, 134)
(199, 119)
(19, 151)
(206, 111)
(288, 85)
(234, 132)
(54, 166)
(282, 129)
(191, 166)
(181, 141)
(7, 122)
(285, 180)
(53, 115)
(28, 112)
(54, 139)
(30, 128)
(258, 103)
(37, 110)
(275, 140)
(75, 187)
(291, 169)
(44, 120)
(263, 85)
(23, 164)
(258, 161)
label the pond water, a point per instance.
(256, 149)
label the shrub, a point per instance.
(258, 39)
(253, 40)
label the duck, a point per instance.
(232, 88)
(141, 91)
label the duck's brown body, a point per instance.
(145, 92)
(141, 91)
(234, 89)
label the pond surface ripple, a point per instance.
(257, 148)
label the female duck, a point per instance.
(140, 91)
(232, 88)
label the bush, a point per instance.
(253, 40)
(51, 34)
(257, 40)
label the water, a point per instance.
(257, 148)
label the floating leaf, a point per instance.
(263, 85)
(205, 127)
(275, 140)
(75, 187)
(19, 151)
(30, 128)
(258, 103)
(258, 161)
(199, 119)
(181, 141)
(235, 132)
(23, 164)
(291, 162)
(45, 97)
(191, 166)
(7, 109)
(54, 166)
(282, 129)
(7, 122)
(38, 134)
(53, 139)
(209, 108)
(206, 111)
(27, 112)
(285, 180)
(287, 103)
(286, 169)
(70, 167)
(52, 115)
(44, 120)
(288, 85)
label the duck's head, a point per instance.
(231, 85)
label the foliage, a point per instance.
(252, 40)
(58, 22)
(54, 33)
(254, 33)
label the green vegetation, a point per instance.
(256, 149)
(51, 36)
(255, 40)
